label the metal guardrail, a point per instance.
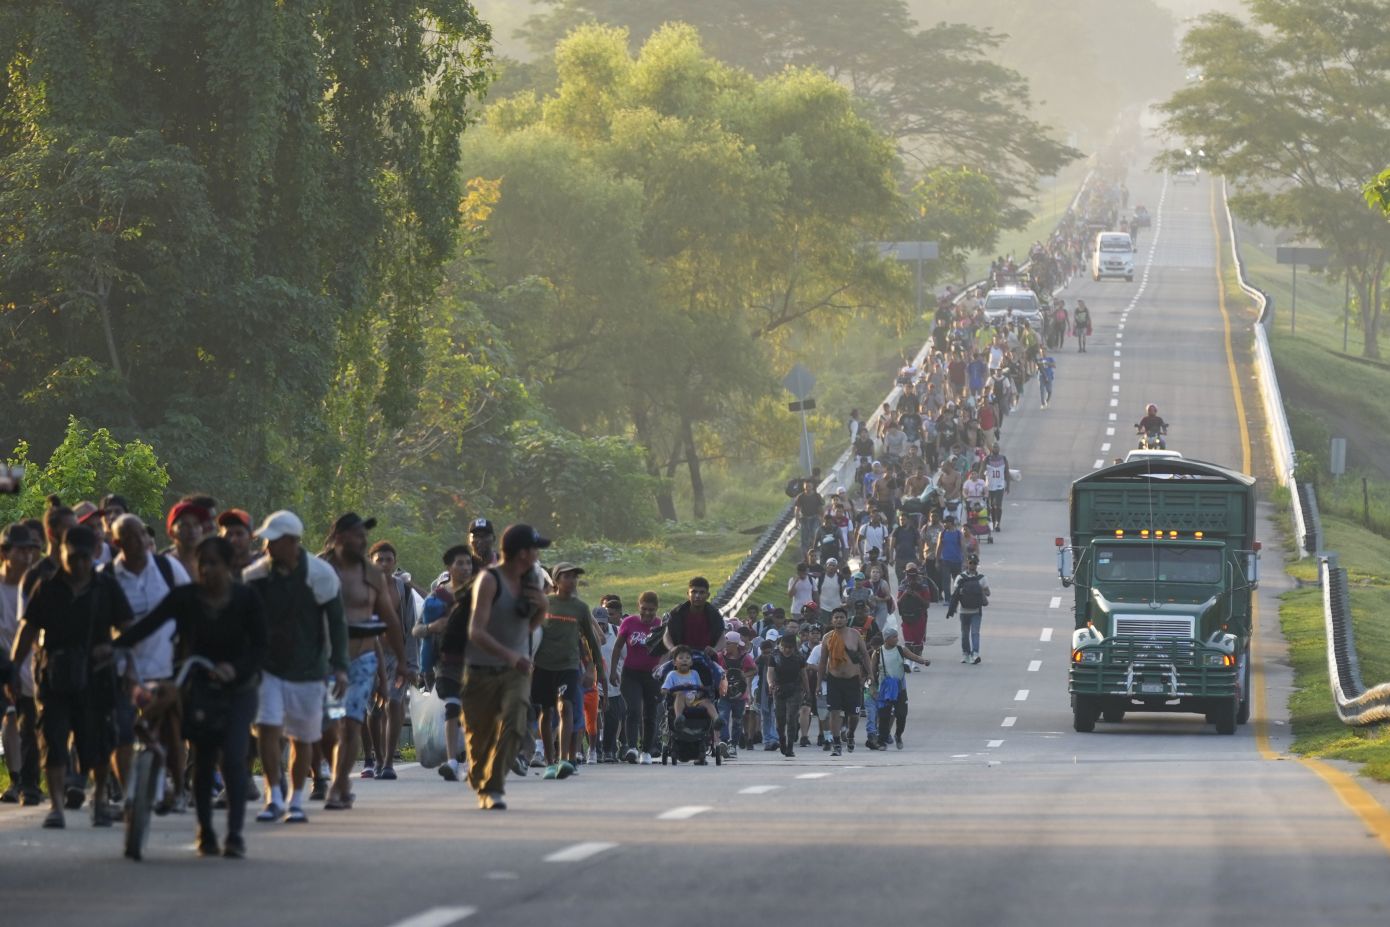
(1356, 705)
(773, 542)
(1277, 422)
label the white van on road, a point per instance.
(1113, 256)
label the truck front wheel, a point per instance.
(1223, 715)
(1084, 712)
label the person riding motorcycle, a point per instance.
(1152, 424)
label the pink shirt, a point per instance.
(635, 633)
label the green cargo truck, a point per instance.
(1164, 561)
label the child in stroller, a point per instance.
(690, 685)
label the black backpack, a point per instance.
(970, 593)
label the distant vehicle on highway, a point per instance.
(1186, 175)
(1113, 256)
(1155, 454)
(1142, 217)
(1012, 304)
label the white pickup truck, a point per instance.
(1113, 256)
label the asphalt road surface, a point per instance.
(995, 813)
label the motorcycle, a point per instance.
(1152, 440)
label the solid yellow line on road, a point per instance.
(1351, 793)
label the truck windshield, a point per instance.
(1158, 562)
(1016, 303)
(1116, 243)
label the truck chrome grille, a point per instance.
(1179, 626)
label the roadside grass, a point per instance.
(1317, 729)
(1320, 387)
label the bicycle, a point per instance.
(153, 700)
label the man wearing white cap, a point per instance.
(301, 595)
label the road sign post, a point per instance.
(918, 252)
(1295, 255)
(799, 382)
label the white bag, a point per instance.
(427, 727)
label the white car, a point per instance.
(1186, 175)
(1113, 256)
(1155, 454)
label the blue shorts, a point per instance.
(361, 684)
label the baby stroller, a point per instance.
(979, 522)
(689, 739)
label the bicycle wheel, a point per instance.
(140, 802)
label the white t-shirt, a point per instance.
(801, 591)
(154, 656)
(974, 489)
(813, 661)
(830, 597)
(874, 536)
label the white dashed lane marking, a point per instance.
(758, 789)
(1034, 665)
(1022, 696)
(437, 917)
(1010, 721)
(683, 813)
(1099, 464)
(813, 775)
(579, 852)
(995, 743)
(1046, 635)
(1056, 602)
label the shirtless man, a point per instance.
(368, 606)
(949, 482)
(842, 661)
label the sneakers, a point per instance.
(645, 759)
(871, 742)
(448, 773)
(567, 769)
(271, 814)
(966, 657)
(30, 798)
(10, 796)
(630, 755)
(850, 744)
(320, 789)
(538, 760)
(369, 768)
(520, 766)
(898, 743)
(768, 748)
(492, 801)
(732, 754)
(835, 749)
(101, 817)
(73, 796)
(55, 820)
(804, 742)
(825, 745)
(387, 773)
(551, 772)
(975, 658)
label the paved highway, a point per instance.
(996, 813)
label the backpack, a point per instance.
(970, 593)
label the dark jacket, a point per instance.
(676, 627)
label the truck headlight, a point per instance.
(1219, 659)
(1086, 656)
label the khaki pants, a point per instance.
(495, 703)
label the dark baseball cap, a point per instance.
(521, 537)
(349, 520)
(481, 526)
(18, 535)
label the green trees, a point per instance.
(664, 223)
(212, 217)
(1291, 108)
(941, 92)
(88, 465)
